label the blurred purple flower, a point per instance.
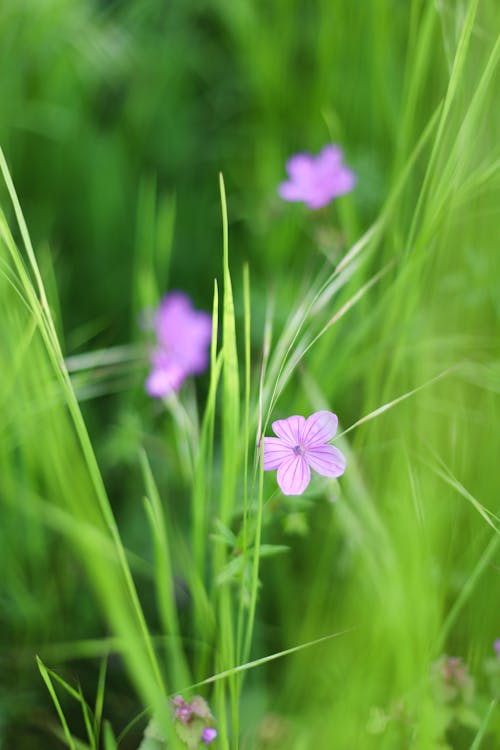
(451, 680)
(317, 180)
(302, 444)
(209, 734)
(496, 647)
(182, 710)
(183, 337)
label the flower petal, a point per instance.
(317, 180)
(208, 735)
(345, 179)
(164, 380)
(317, 198)
(300, 167)
(275, 452)
(319, 428)
(289, 430)
(326, 460)
(294, 475)
(183, 333)
(329, 158)
(291, 191)
(172, 309)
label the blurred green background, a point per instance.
(115, 120)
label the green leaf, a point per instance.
(109, 737)
(48, 682)
(232, 571)
(225, 534)
(149, 743)
(190, 734)
(153, 738)
(268, 550)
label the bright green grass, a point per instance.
(384, 309)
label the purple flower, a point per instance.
(183, 337)
(317, 180)
(496, 647)
(182, 710)
(209, 734)
(451, 680)
(301, 444)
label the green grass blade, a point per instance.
(109, 738)
(164, 577)
(484, 726)
(48, 682)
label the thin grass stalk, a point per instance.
(458, 66)
(164, 577)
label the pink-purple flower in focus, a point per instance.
(183, 337)
(317, 180)
(209, 734)
(302, 444)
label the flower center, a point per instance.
(299, 450)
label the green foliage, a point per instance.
(144, 551)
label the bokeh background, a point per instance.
(115, 120)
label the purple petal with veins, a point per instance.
(294, 475)
(319, 428)
(301, 445)
(289, 430)
(275, 452)
(326, 460)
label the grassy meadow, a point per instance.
(144, 552)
